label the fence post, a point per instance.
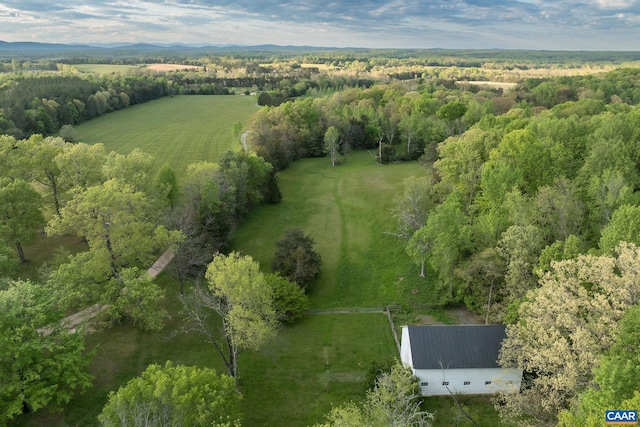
(393, 329)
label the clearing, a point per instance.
(179, 130)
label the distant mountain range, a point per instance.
(49, 49)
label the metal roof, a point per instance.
(456, 347)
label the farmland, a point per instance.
(458, 221)
(178, 130)
(319, 362)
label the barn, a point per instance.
(457, 359)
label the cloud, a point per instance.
(541, 24)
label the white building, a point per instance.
(458, 359)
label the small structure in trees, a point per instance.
(460, 359)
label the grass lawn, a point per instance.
(347, 210)
(41, 251)
(320, 361)
(179, 130)
(312, 365)
(447, 413)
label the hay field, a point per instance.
(178, 130)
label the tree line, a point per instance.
(527, 215)
(42, 104)
(33, 103)
(519, 215)
(127, 212)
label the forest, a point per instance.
(526, 212)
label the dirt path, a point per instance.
(243, 139)
(161, 263)
(76, 319)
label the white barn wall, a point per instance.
(502, 380)
(405, 348)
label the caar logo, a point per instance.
(621, 417)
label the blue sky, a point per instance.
(474, 24)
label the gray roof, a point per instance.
(456, 347)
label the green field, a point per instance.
(347, 210)
(310, 366)
(106, 68)
(319, 362)
(179, 130)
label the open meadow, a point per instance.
(179, 130)
(347, 210)
(106, 68)
(319, 362)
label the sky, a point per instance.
(454, 24)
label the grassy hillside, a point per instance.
(347, 210)
(179, 130)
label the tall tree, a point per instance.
(623, 227)
(289, 300)
(167, 184)
(460, 162)
(332, 143)
(114, 219)
(448, 230)
(564, 327)
(560, 212)
(8, 260)
(418, 248)
(80, 165)
(483, 274)
(135, 168)
(451, 113)
(43, 364)
(412, 207)
(295, 257)
(10, 158)
(195, 252)
(607, 193)
(615, 378)
(38, 161)
(174, 395)
(238, 292)
(520, 248)
(20, 213)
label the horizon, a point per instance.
(116, 45)
(569, 25)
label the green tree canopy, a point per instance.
(115, 220)
(174, 395)
(289, 300)
(295, 258)
(239, 293)
(564, 327)
(42, 363)
(615, 378)
(394, 401)
(20, 213)
(623, 227)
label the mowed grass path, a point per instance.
(179, 130)
(347, 209)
